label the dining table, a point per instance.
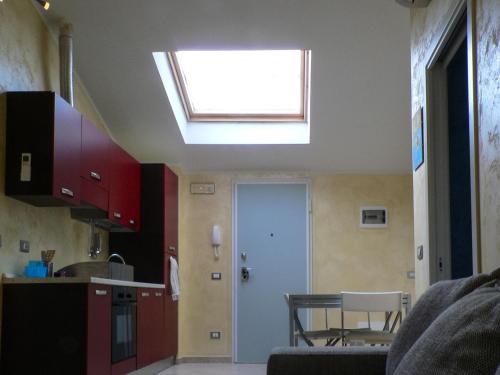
(321, 301)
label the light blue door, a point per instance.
(272, 243)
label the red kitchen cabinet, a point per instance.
(171, 307)
(124, 195)
(150, 326)
(124, 367)
(170, 211)
(94, 166)
(149, 250)
(95, 154)
(98, 330)
(56, 328)
(43, 145)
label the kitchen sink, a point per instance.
(106, 270)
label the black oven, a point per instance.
(123, 320)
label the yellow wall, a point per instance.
(29, 61)
(488, 50)
(426, 27)
(343, 255)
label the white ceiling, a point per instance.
(360, 94)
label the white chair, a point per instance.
(389, 303)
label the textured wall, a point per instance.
(29, 61)
(488, 66)
(426, 27)
(343, 257)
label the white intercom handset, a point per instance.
(216, 240)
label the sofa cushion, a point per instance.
(328, 360)
(430, 305)
(464, 339)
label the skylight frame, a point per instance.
(193, 116)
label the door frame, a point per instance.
(435, 83)
(234, 252)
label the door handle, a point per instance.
(245, 273)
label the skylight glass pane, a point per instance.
(266, 82)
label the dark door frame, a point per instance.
(436, 137)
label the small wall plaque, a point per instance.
(202, 188)
(373, 217)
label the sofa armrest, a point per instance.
(327, 361)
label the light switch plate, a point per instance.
(24, 246)
(216, 276)
(215, 335)
(410, 274)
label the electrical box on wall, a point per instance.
(202, 188)
(373, 217)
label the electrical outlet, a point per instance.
(24, 246)
(215, 335)
(216, 276)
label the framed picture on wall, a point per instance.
(418, 139)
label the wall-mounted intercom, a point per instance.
(216, 240)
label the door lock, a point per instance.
(243, 255)
(245, 273)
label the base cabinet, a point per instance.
(56, 329)
(98, 329)
(124, 367)
(150, 326)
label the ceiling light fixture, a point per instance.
(45, 4)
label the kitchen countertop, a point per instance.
(79, 280)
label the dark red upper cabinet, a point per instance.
(124, 195)
(94, 167)
(95, 154)
(43, 145)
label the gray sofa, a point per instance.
(454, 328)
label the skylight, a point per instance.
(238, 97)
(242, 86)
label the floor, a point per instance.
(215, 369)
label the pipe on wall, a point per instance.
(66, 62)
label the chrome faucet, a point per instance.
(95, 241)
(116, 255)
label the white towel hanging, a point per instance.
(174, 279)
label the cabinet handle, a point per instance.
(158, 294)
(172, 248)
(132, 221)
(100, 292)
(117, 215)
(95, 176)
(145, 294)
(67, 192)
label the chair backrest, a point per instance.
(372, 302)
